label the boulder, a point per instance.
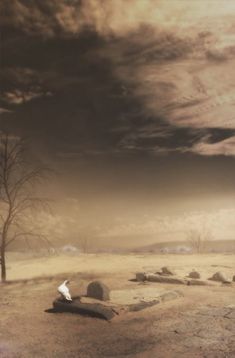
(219, 276)
(194, 274)
(166, 270)
(140, 276)
(98, 290)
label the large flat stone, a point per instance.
(121, 301)
(197, 282)
(91, 309)
(153, 277)
(143, 297)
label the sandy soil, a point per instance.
(200, 324)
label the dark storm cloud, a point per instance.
(38, 17)
(88, 77)
(80, 99)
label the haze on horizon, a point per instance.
(132, 103)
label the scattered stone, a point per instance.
(231, 306)
(142, 305)
(194, 274)
(197, 282)
(170, 295)
(219, 276)
(166, 270)
(98, 290)
(140, 298)
(140, 276)
(231, 314)
(153, 277)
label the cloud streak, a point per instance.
(225, 147)
(220, 224)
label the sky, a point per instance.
(132, 103)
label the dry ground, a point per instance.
(200, 324)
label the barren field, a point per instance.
(200, 324)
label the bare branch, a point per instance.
(17, 195)
(28, 234)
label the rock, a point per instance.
(197, 282)
(170, 295)
(121, 302)
(142, 305)
(153, 277)
(194, 274)
(140, 276)
(98, 290)
(219, 276)
(89, 309)
(166, 270)
(234, 278)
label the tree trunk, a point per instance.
(3, 265)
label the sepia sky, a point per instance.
(132, 102)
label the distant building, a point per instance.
(176, 250)
(69, 248)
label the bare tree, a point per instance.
(87, 238)
(85, 243)
(198, 239)
(17, 196)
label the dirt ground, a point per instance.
(200, 324)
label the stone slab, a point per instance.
(121, 301)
